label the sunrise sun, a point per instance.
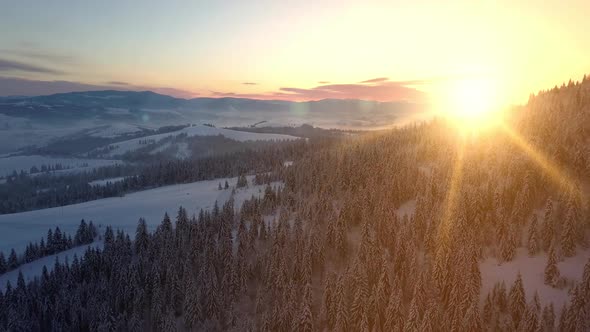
(471, 104)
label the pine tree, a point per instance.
(551, 270)
(508, 244)
(530, 320)
(361, 296)
(428, 321)
(548, 318)
(3, 264)
(12, 260)
(305, 318)
(328, 306)
(532, 242)
(242, 181)
(413, 317)
(341, 323)
(563, 318)
(192, 305)
(517, 303)
(472, 321)
(394, 316)
(141, 237)
(548, 232)
(568, 235)
(364, 323)
(488, 310)
(168, 322)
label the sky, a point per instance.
(292, 50)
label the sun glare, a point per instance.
(471, 104)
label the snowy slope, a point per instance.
(17, 230)
(532, 270)
(114, 130)
(18, 163)
(105, 181)
(35, 268)
(199, 130)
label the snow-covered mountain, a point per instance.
(104, 117)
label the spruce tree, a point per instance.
(12, 260)
(3, 264)
(551, 270)
(548, 232)
(517, 303)
(305, 317)
(532, 243)
(548, 318)
(192, 305)
(568, 235)
(412, 322)
(141, 237)
(472, 321)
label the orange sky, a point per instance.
(308, 50)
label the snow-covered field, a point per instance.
(406, 209)
(114, 130)
(105, 181)
(17, 230)
(35, 268)
(199, 130)
(532, 270)
(18, 163)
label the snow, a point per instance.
(18, 229)
(35, 268)
(288, 163)
(407, 208)
(18, 163)
(105, 181)
(114, 130)
(198, 130)
(532, 270)
(182, 151)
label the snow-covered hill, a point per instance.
(68, 165)
(197, 130)
(17, 230)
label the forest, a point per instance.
(333, 250)
(24, 193)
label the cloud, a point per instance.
(323, 82)
(12, 86)
(376, 80)
(379, 89)
(39, 54)
(116, 83)
(249, 83)
(179, 93)
(9, 65)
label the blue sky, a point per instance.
(292, 50)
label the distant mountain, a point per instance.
(130, 105)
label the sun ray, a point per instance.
(558, 177)
(454, 188)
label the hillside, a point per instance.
(419, 228)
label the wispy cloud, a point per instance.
(323, 82)
(40, 54)
(249, 83)
(11, 86)
(11, 66)
(116, 83)
(378, 89)
(376, 80)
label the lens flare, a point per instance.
(470, 104)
